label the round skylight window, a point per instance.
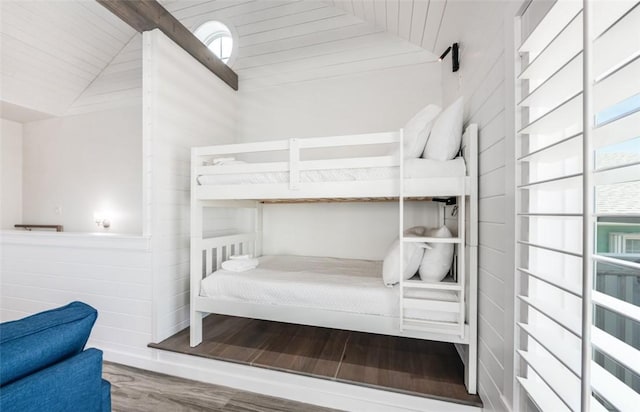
(218, 38)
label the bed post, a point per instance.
(471, 371)
(257, 246)
(195, 317)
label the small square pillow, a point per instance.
(416, 131)
(412, 257)
(446, 133)
(436, 261)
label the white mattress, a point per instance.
(345, 285)
(414, 168)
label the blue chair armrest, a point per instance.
(74, 384)
(106, 396)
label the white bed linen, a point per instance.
(344, 285)
(414, 168)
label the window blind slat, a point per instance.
(620, 262)
(564, 384)
(618, 86)
(557, 183)
(555, 346)
(560, 86)
(555, 313)
(565, 46)
(617, 43)
(552, 249)
(622, 174)
(564, 118)
(554, 281)
(614, 391)
(542, 396)
(608, 13)
(617, 131)
(626, 354)
(555, 20)
(623, 308)
(557, 150)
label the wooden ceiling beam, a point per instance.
(145, 15)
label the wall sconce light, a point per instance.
(102, 221)
(455, 62)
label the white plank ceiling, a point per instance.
(418, 21)
(53, 50)
(72, 56)
(288, 41)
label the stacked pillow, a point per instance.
(436, 261)
(432, 262)
(413, 254)
(434, 134)
(417, 130)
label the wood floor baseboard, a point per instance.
(320, 392)
(397, 364)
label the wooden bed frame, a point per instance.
(207, 254)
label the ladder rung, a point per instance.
(417, 239)
(449, 328)
(431, 305)
(434, 286)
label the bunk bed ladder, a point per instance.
(401, 229)
(458, 271)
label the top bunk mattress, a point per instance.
(414, 169)
(344, 285)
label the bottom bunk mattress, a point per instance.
(344, 285)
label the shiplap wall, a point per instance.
(486, 80)
(51, 51)
(10, 173)
(372, 101)
(184, 106)
(118, 85)
(40, 271)
(76, 165)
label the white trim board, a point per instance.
(103, 241)
(285, 385)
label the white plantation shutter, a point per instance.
(553, 196)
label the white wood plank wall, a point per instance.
(40, 271)
(485, 80)
(184, 105)
(486, 107)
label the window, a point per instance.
(218, 38)
(621, 243)
(552, 248)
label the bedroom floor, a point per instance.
(412, 366)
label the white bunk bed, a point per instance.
(250, 185)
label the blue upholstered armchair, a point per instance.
(44, 367)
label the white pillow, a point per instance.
(446, 133)
(412, 257)
(416, 131)
(436, 261)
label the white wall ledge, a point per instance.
(76, 240)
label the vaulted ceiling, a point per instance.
(52, 51)
(418, 21)
(60, 57)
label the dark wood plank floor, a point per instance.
(412, 366)
(137, 390)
